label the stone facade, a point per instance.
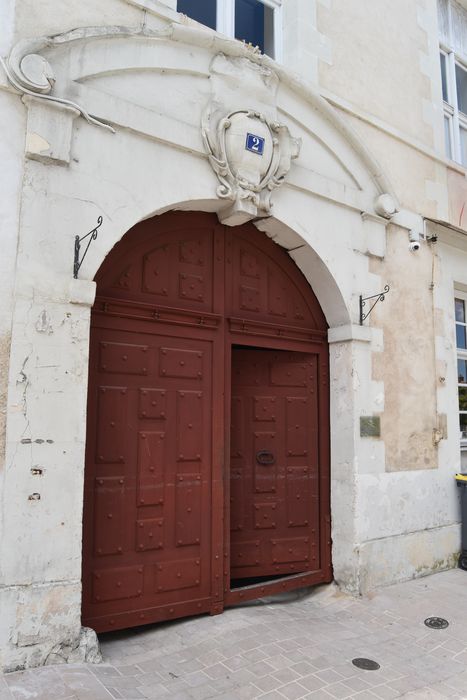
(359, 91)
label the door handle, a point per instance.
(265, 457)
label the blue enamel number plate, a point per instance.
(255, 144)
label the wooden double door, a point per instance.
(207, 458)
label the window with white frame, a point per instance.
(453, 62)
(461, 343)
(258, 22)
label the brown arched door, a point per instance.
(207, 458)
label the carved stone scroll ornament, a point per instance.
(31, 74)
(251, 156)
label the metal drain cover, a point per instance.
(436, 623)
(366, 664)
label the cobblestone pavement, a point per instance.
(297, 649)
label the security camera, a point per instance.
(414, 240)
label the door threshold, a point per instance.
(281, 585)
(241, 584)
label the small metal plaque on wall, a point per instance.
(255, 144)
(370, 426)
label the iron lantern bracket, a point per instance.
(93, 235)
(379, 297)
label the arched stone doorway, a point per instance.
(207, 461)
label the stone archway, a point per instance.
(181, 301)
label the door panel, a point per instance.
(260, 286)
(274, 507)
(148, 481)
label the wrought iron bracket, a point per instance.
(363, 300)
(92, 235)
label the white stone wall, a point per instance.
(11, 174)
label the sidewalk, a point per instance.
(298, 649)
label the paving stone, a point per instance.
(212, 658)
(279, 662)
(286, 675)
(347, 670)
(321, 662)
(455, 645)
(153, 691)
(39, 684)
(406, 684)
(196, 679)
(425, 694)
(356, 684)
(243, 676)
(329, 675)
(151, 678)
(248, 692)
(457, 682)
(202, 692)
(293, 691)
(149, 666)
(340, 690)
(273, 695)
(83, 684)
(217, 671)
(5, 694)
(128, 670)
(180, 695)
(222, 685)
(120, 682)
(384, 675)
(261, 668)
(272, 650)
(104, 670)
(255, 655)
(99, 694)
(385, 692)
(236, 662)
(267, 683)
(296, 656)
(462, 658)
(312, 683)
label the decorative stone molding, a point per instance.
(385, 205)
(82, 292)
(251, 156)
(31, 74)
(350, 333)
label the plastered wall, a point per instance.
(43, 18)
(11, 175)
(388, 83)
(374, 62)
(407, 365)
